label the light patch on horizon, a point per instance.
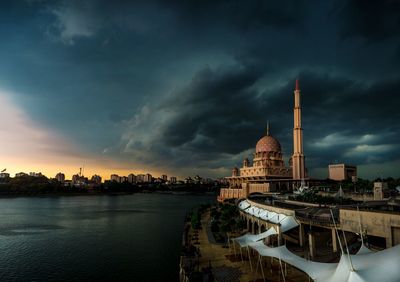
(23, 137)
(26, 146)
(340, 139)
(369, 149)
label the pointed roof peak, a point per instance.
(267, 128)
(297, 85)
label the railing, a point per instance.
(309, 217)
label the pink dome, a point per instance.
(268, 144)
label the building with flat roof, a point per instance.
(341, 172)
(114, 177)
(132, 178)
(148, 178)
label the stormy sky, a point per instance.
(187, 87)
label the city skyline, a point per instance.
(186, 89)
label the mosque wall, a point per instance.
(259, 187)
(230, 193)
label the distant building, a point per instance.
(123, 179)
(379, 189)
(164, 177)
(148, 178)
(60, 177)
(341, 172)
(96, 179)
(114, 177)
(4, 175)
(21, 174)
(79, 180)
(140, 178)
(132, 178)
(172, 179)
(158, 180)
(35, 174)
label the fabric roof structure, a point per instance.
(244, 205)
(277, 218)
(364, 250)
(246, 239)
(313, 269)
(286, 222)
(380, 266)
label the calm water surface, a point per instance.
(93, 238)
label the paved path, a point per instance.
(227, 270)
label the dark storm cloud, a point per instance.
(240, 15)
(200, 120)
(215, 102)
(190, 85)
(371, 20)
(221, 113)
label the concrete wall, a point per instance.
(386, 225)
(355, 196)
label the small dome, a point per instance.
(268, 144)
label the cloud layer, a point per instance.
(187, 87)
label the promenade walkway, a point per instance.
(225, 267)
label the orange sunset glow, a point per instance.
(27, 146)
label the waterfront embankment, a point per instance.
(213, 261)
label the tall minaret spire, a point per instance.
(299, 171)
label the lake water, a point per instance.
(93, 238)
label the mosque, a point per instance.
(275, 223)
(268, 172)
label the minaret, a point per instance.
(298, 155)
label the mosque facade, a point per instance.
(268, 171)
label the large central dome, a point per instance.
(268, 144)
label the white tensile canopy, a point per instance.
(364, 266)
(313, 269)
(288, 223)
(269, 216)
(382, 266)
(364, 250)
(277, 218)
(246, 239)
(368, 266)
(244, 205)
